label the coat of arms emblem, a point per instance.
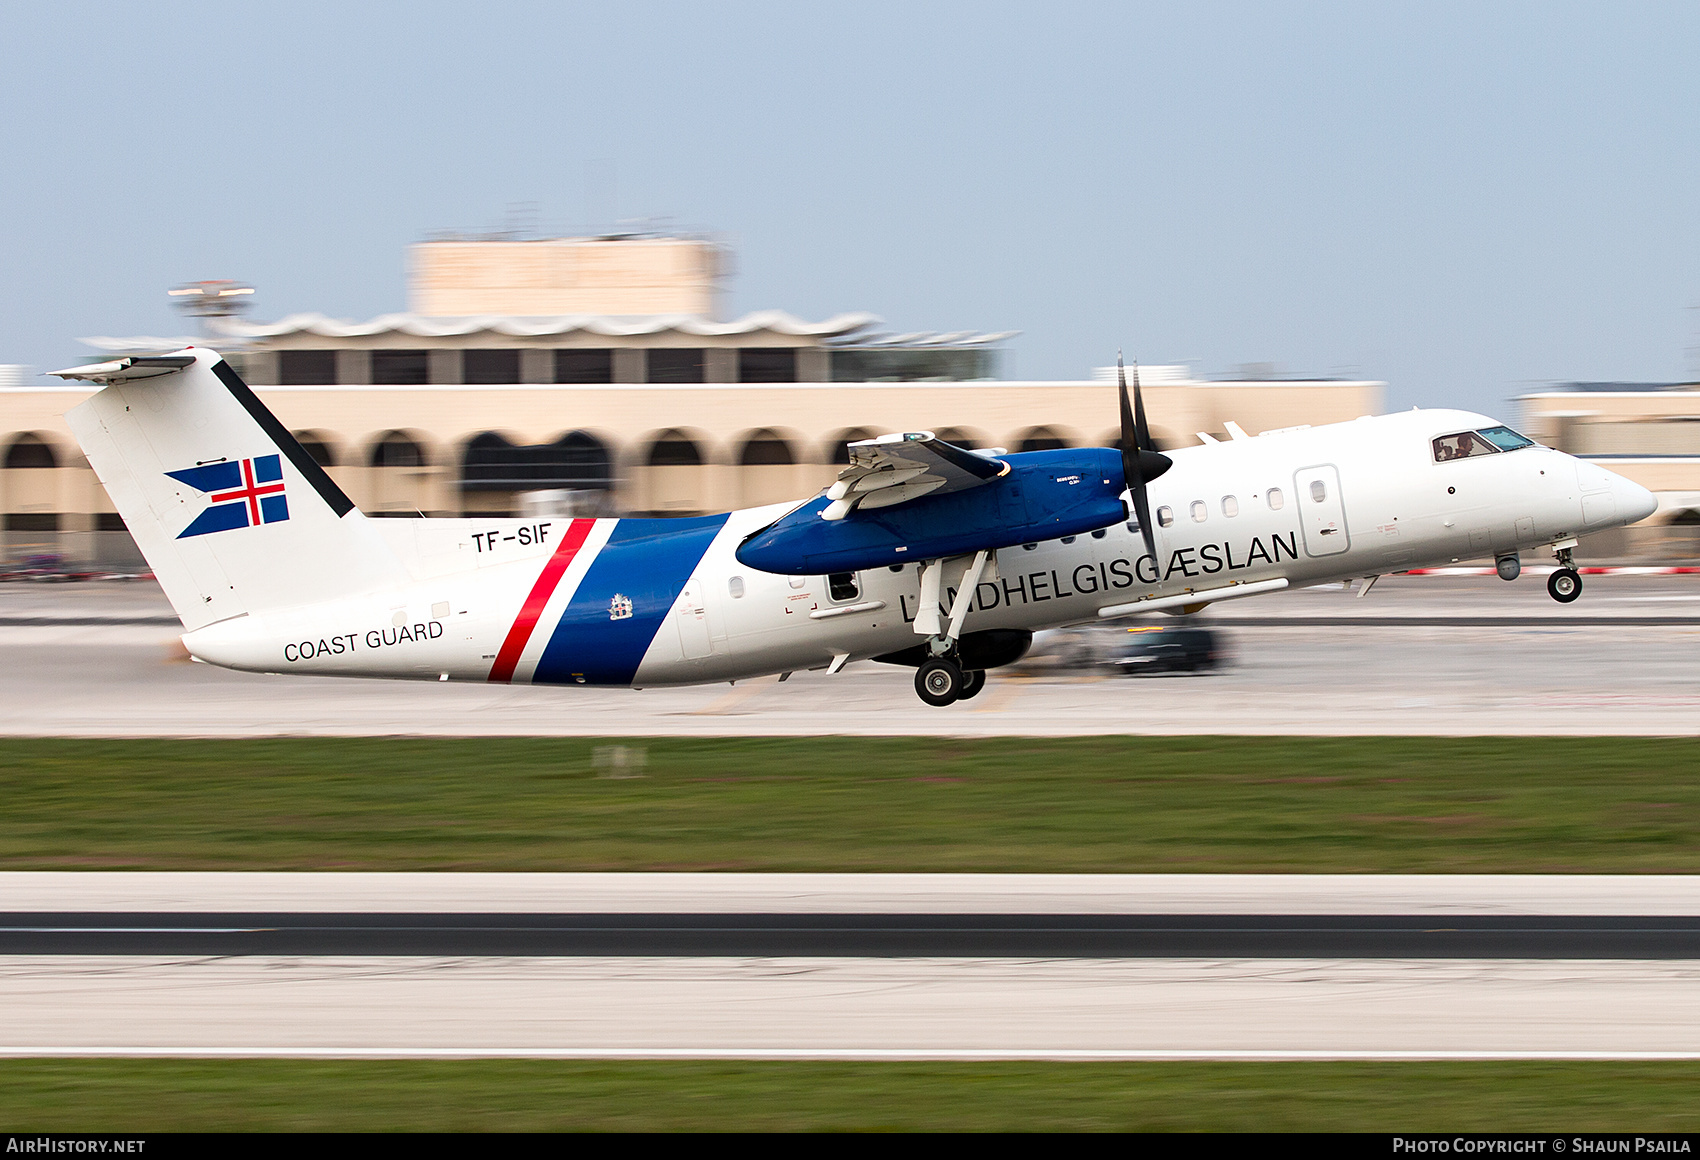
(619, 608)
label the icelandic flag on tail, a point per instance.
(245, 493)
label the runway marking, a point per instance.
(732, 698)
(806, 1053)
(1003, 693)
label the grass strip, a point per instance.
(121, 1095)
(1097, 804)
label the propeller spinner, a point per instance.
(1141, 461)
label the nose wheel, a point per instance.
(1564, 585)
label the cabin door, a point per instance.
(1322, 512)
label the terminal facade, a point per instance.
(597, 373)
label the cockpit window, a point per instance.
(1505, 438)
(1487, 441)
(1464, 445)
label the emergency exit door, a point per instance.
(691, 615)
(1322, 511)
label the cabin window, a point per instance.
(1165, 516)
(1098, 534)
(797, 581)
(841, 586)
(1029, 547)
(735, 585)
(1318, 491)
(1230, 506)
(1068, 539)
(1464, 445)
(1275, 499)
(1200, 511)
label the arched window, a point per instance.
(316, 447)
(397, 450)
(575, 460)
(765, 448)
(30, 451)
(838, 451)
(1042, 439)
(959, 437)
(674, 449)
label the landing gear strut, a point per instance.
(941, 680)
(1565, 584)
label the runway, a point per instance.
(980, 936)
(1397, 994)
(1421, 655)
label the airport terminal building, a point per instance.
(595, 373)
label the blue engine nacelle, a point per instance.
(1044, 495)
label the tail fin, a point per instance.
(231, 512)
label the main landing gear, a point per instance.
(1565, 585)
(941, 681)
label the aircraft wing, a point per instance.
(894, 469)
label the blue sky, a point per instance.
(1467, 200)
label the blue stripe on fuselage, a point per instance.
(645, 561)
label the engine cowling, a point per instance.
(1044, 495)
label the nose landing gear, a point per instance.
(1565, 585)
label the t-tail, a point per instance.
(230, 511)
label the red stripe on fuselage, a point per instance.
(508, 658)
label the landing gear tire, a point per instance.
(972, 682)
(939, 681)
(1564, 585)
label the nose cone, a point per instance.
(1634, 502)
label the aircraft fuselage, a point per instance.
(662, 602)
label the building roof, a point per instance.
(922, 339)
(1619, 388)
(533, 326)
(516, 326)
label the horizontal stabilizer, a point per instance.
(121, 369)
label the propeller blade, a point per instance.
(1142, 510)
(1132, 474)
(1142, 433)
(1129, 435)
(1141, 461)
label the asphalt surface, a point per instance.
(1443, 655)
(191, 893)
(1023, 936)
(951, 966)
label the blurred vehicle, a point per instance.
(44, 566)
(1079, 647)
(1162, 649)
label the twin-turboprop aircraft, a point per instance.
(921, 554)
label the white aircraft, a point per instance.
(921, 554)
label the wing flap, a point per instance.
(895, 469)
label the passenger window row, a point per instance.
(1230, 508)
